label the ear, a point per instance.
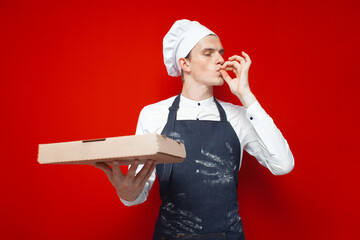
(184, 64)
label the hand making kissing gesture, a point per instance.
(240, 84)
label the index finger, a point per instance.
(231, 64)
(237, 58)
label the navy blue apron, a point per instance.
(199, 195)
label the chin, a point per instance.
(219, 82)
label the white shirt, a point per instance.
(255, 129)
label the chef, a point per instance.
(199, 196)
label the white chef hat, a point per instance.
(179, 41)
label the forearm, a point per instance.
(265, 141)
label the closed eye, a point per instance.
(210, 51)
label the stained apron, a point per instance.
(199, 195)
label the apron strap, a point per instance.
(164, 170)
(221, 111)
(170, 125)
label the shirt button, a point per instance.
(198, 104)
(197, 118)
(251, 118)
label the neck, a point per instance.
(198, 92)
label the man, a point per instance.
(199, 196)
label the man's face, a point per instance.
(205, 61)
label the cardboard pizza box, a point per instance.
(125, 149)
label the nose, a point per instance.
(219, 59)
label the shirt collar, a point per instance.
(192, 103)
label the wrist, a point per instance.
(246, 98)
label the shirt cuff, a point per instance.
(139, 200)
(255, 113)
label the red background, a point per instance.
(73, 70)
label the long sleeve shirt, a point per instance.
(255, 129)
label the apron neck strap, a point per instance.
(221, 111)
(170, 125)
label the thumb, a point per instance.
(103, 166)
(225, 76)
